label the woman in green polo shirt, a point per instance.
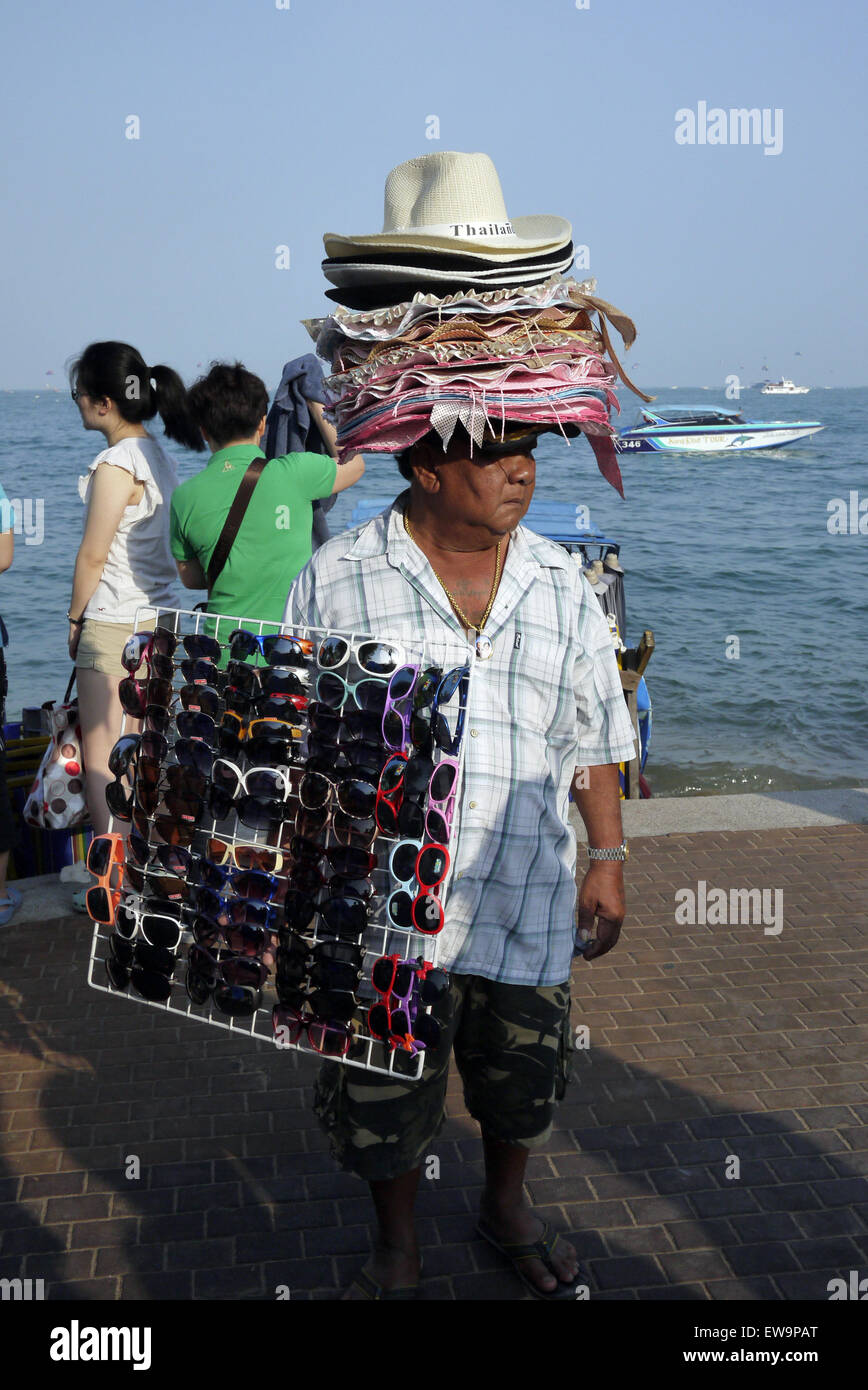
(274, 539)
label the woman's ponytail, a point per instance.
(171, 402)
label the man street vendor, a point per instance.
(449, 564)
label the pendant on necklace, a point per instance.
(484, 646)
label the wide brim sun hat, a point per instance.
(449, 201)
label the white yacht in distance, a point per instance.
(784, 387)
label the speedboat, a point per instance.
(698, 429)
(784, 387)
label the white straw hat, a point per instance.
(452, 201)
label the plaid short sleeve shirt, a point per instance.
(547, 701)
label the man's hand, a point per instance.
(601, 895)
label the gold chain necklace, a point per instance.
(483, 645)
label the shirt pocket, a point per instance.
(539, 683)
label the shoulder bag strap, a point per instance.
(68, 694)
(233, 521)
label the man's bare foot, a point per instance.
(390, 1268)
(519, 1225)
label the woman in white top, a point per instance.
(124, 561)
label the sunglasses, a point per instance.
(124, 753)
(330, 1039)
(282, 705)
(140, 698)
(174, 829)
(402, 860)
(199, 671)
(355, 796)
(153, 985)
(327, 965)
(236, 734)
(130, 953)
(173, 858)
(153, 776)
(424, 911)
(369, 693)
(200, 645)
(156, 648)
(327, 723)
(398, 809)
(161, 885)
(263, 857)
(158, 929)
(441, 799)
(267, 783)
(192, 753)
(277, 650)
(180, 800)
(376, 658)
(246, 883)
(235, 912)
(236, 1000)
(241, 941)
(396, 722)
(443, 737)
(346, 830)
(226, 967)
(412, 983)
(366, 759)
(252, 811)
(105, 860)
(346, 861)
(346, 916)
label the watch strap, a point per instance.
(615, 852)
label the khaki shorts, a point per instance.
(512, 1048)
(100, 647)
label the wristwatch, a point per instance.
(618, 852)
(76, 622)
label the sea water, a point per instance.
(736, 562)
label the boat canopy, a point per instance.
(557, 521)
(692, 415)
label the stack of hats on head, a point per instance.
(455, 315)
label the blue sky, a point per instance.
(262, 126)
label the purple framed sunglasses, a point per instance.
(441, 799)
(396, 722)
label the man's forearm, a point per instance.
(596, 792)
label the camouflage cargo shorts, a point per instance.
(512, 1049)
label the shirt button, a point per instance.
(460, 873)
(474, 733)
(473, 805)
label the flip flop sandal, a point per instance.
(371, 1289)
(541, 1249)
(9, 905)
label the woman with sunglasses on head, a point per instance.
(124, 561)
(10, 898)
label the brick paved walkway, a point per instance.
(706, 1042)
